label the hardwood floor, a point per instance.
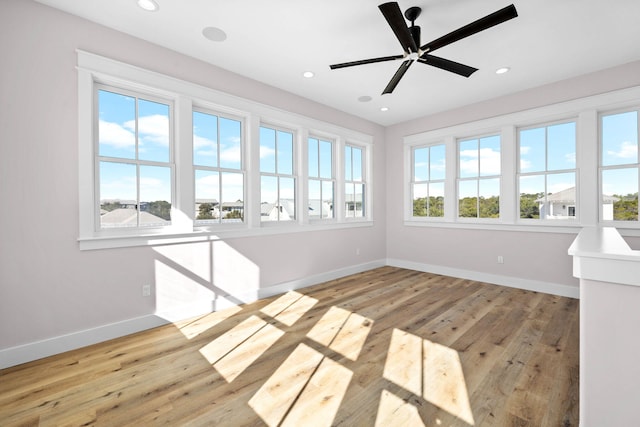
(387, 347)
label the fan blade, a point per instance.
(447, 65)
(397, 76)
(393, 15)
(366, 61)
(481, 24)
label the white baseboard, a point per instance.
(37, 350)
(496, 279)
(48, 347)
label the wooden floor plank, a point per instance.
(382, 347)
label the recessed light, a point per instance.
(384, 109)
(148, 5)
(365, 98)
(503, 70)
(308, 74)
(214, 34)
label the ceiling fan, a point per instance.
(409, 38)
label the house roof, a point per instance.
(568, 196)
(128, 217)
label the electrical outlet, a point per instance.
(146, 290)
(500, 259)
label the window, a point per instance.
(479, 177)
(547, 178)
(428, 184)
(321, 179)
(133, 162)
(619, 167)
(354, 189)
(217, 163)
(277, 179)
(166, 160)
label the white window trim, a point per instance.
(586, 110)
(94, 69)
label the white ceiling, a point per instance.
(275, 41)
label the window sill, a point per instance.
(172, 238)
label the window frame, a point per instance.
(547, 172)
(321, 180)
(295, 175)
(203, 225)
(601, 168)
(429, 181)
(365, 160)
(478, 178)
(94, 69)
(584, 111)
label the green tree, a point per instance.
(161, 209)
(110, 206)
(626, 208)
(205, 211)
(529, 208)
(234, 215)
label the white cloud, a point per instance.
(115, 135)
(628, 150)
(153, 129)
(266, 152)
(489, 161)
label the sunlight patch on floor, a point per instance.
(202, 324)
(429, 370)
(307, 389)
(393, 411)
(342, 331)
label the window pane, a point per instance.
(360, 202)
(207, 188)
(349, 200)
(327, 199)
(118, 195)
(620, 194)
(326, 164)
(205, 139)
(532, 150)
(315, 198)
(285, 153)
(313, 158)
(531, 195)
(155, 195)
(489, 198)
(561, 146)
(269, 198)
(267, 150)
(232, 209)
(348, 164)
(153, 131)
(561, 196)
(116, 125)
(287, 199)
(420, 203)
(230, 143)
(437, 162)
(436, 199)
(620, 139)
(468, 158)
(357, 163)
(468, 199)
(421, 164)
(490, 156)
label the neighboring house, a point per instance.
(562, 205)
(320, 209)
(353, 205)
(128, 218)
(215, 210)
(285, 211)
(228, 207)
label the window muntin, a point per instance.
(355, 186)
(547, 172)
(133, 162)
(619, 166)
(427, 187)
(217, 164)
(479, 177)
(321, 178)
(277, 179)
